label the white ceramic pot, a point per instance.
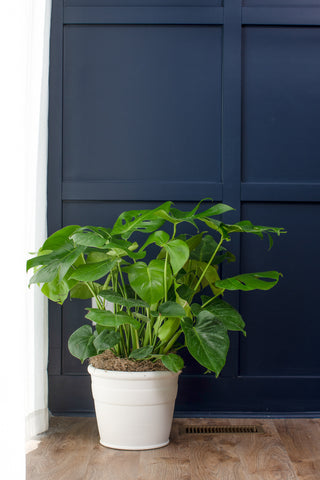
(134, 410)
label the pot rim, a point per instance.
(98, 372)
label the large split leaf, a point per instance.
(250, 281)
(207, 341)
(139, 221)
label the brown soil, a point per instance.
(108, 361)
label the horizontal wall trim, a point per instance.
(280, 192)
(141, 190)
(281, 15)
(143, 15)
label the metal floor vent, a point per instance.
(209, 430)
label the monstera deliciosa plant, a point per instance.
(160, 305)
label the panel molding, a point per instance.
(280, 192)
(144, 15)
(281, 16)
(141, 190)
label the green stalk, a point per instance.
(172, 341)
(208, 265)
(213, 298)
(99, 304)
(165, 278)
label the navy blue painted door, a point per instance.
(182, 101)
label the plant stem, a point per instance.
(174, 231)
(165, 278)
(172, 341)
(213, 298)
(99, 304)
(208, 265)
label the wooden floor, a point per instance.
(287, 450)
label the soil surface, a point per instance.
(108, 361)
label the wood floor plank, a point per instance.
(63, 452)
(168, 463)
(301, 438)
(287, 450)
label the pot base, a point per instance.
(146, 447)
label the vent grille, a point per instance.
(209, 430)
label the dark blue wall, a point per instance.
(182, 101)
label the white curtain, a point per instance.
(24, 44)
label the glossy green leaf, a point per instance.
(207, 341)
(139, 221)
(93, 271)
(59, 266)
(159, 238)
(250, 281)
(171, 309)
(81, 290)
(115, 297)
(226, 314)
(141, 353)
(110, 319)
(106, 340)
(205, 249)
(88, 239)
(80, 343)
(148, 280)
(56, 290)
(173, 362)
(178, 252)
(60, 239)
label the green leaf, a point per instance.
(250, 281)
(139, 221)
(93, 271)
(195, 308)
(168, 329)
(205, 249)
(179, 253)
(110, 319)
(56, 290)
(148, 280)
(106, 340)
(173, 362)
(81, 290)
(226, 314)
(159, 238)
(80, 343)
(59, 266)
(141, 353)
(217, 209)
(60, 239)
(88, 239)
(171, 309)
(207, 341)
(115, 297)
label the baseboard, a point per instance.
(36, 422)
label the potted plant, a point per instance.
(148, 306)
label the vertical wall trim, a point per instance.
(231, 142)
